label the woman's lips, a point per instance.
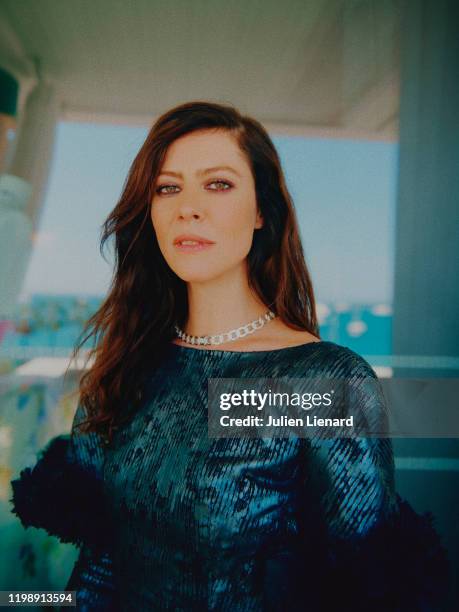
(193, 248)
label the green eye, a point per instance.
(158, 190)
(228, 185)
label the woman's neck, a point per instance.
(221, 304)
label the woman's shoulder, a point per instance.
(304, 349)
(331, 358)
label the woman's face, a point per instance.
(195, 194)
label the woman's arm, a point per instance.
(93, 580)
(93, 576)
(373, 551)
(63, 493)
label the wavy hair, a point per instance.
(135, 322)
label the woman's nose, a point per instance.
(190, 202)
(188, 212)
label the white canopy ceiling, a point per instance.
(316, 67)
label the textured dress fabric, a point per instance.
(176, 520)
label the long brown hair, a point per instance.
(135, 322)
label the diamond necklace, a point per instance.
(231, 335)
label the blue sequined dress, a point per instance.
(169, 519)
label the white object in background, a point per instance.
(15, 239)
(50, 367)
(381, 310)
(383, 371)
(356, 328)
(323, 311)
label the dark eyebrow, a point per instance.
(200, 172)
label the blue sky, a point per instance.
(344, 193)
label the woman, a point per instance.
(167, 518)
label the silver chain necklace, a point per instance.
(231, 335)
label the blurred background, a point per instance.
(360, 98)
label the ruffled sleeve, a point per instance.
(369, 549)
(63, 493)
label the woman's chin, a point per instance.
(199, 274)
